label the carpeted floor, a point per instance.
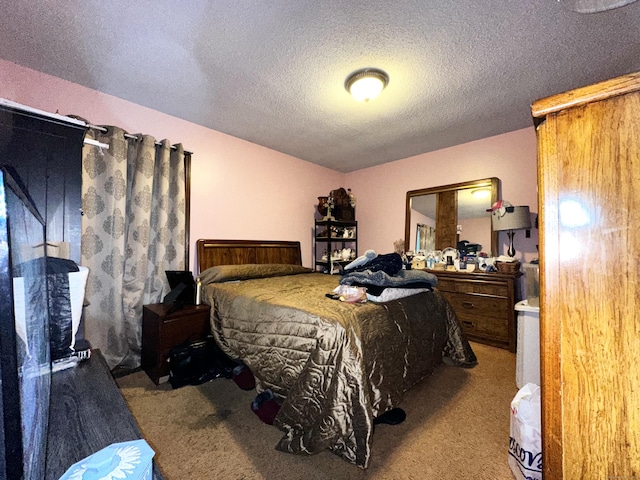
(457, 427)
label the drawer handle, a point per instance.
(467, 304)
(467, 323)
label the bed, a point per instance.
(333, 366)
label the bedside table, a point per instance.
(163, 329)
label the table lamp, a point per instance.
(513, 218)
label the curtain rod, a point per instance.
(133, 137)
(95, 143)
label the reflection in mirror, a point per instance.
(440, 217)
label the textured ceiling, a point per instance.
(273, 71)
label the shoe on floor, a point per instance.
(391, 417)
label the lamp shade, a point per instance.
(518, 219)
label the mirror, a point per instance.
(440, 217)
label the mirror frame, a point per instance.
(493, 183)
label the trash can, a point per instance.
(528, 345)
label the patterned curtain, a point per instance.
(133, 229)
(426, 236)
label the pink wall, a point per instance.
(381, 190)
(244, 191)
(240, 190)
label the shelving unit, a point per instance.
(330, 236)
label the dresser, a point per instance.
(589, 220)
(484, 303)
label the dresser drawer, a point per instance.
(482, 317)
(496, 328)
(179, 329)
(470, 286)
(479, 304)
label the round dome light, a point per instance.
(366, 84)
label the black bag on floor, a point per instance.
(197, 362)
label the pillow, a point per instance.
(227, 273)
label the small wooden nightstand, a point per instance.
(163, 329)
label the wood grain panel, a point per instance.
(446, 220)
(239, 252)
(550, 332)
(589, 166)
(87, 414)
(584, 95)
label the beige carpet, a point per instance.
(457, 427)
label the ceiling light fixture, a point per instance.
(481, 193)
(594, 6)
(366, 84)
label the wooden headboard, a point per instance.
(238, 252)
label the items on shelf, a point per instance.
(339, 205)
(336, 244)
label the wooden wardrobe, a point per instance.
(589, 218)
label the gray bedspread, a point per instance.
(333, 366)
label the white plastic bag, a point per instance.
(525, 444)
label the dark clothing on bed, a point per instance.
(376, 282)
(390, 263)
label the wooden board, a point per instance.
(87, 414)
(589, 197)
(238, 252)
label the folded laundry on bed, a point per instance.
(403, 279)
(392, 293)
(390, 263)
(362, 260)
(377, 290)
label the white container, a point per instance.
(528, 346)
(123, 461)
(532, 281)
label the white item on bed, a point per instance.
(362, 260)
(393, 293)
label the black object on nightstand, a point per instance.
(163, 328)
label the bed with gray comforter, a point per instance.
(333, 366)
